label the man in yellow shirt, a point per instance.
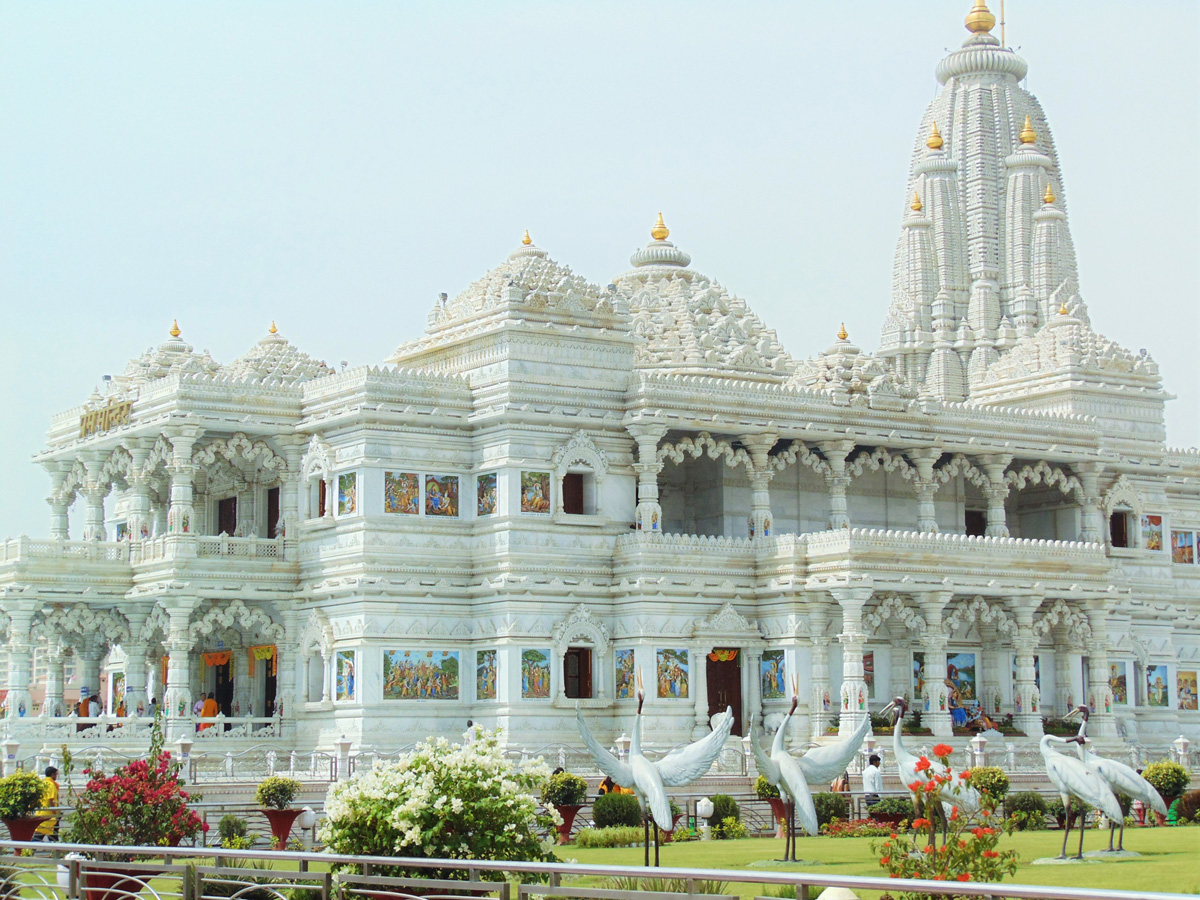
(48, 830)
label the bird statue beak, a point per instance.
(1072, 714)
(887, 709)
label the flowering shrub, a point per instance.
(730, 829)
(142, 804)
(857, 828)
(20, 795)
(442, 800)
(565, 789)
(969, 851)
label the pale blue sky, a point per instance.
(333, 166)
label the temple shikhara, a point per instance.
(563, 482)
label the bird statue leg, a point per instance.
(1082, 828)
(646, 836)
(1112, 832)
(1121, 840)
(792, 830)
(1067, 832)
(656, 863)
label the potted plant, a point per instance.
(1169, 779)
(892, 810)
(567, 793)
(274, 796)
(20, 799)
(764, 790)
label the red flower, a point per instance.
(985, 812)
(941, 751)
(884, 860)
(930, 787)
(920, 823)
(915, 786)
(894, 835)
(954, 814)
(965, 876)
(990, 854)
(929, 849)
(977, 831)
(922, 764)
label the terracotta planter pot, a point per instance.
(22, 829)
(281, 825)
(890, 818)
(568, 814)
(666, 835)
(779, 811)
(114, 885)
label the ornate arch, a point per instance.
(239, 451)
(317, 634)
(1051, 476)
(726, 624)
(1075, 622)
(1122, 491)
(160, 455)
(236, 612)
(580, 449)
(84, 619)
(893, 606)
(118, 466)
(705, 443)
(158, 622)
(75, 479)
(317, 459)
(880, 458)
(961, 465)
(581, 625)
(979, 610)
(800, 452)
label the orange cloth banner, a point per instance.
(216, 658)
(267, 652)
(723, 655)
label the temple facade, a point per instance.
(563, 484)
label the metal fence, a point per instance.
(76, 872)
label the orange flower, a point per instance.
(930, 787)
(990, 854)
(884, 860)
(922, 764)
(920, 823)
(915, 786)
(929, 849)
(954, 814)
(941, 751)
(965, 876)
(977, 831)
(985, 812)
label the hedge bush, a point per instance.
(990, 780)
(1029, 809)
(892, 806)
(20, 795)
(730, 829)
(724, 807)
(830, 806)
(620, 836)
(1189, 806)
(617, 811)
(1168, 778)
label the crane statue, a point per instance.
(1075, 779)
(792, 775)
(650, 779)
(1121, 779)
(782, 770)
(956, 794)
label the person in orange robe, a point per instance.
(209, 710)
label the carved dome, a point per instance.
(274, 358)
(844, 371)
(173, 356)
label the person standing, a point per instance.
(872, 782)
(48, 830)
(208, 710)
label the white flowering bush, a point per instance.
(443, 800)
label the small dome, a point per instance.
(172, 356)
(274, 357)
(660, 251)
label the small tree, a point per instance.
(276, 792)
(20, 795)
(990, 780)
(617, 811)
(564, 789)
(724, 807)
(830, 806)
(1168, 778)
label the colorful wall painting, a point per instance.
(1152, 532)
(402, 493)
(1183, 547)
(1118, 681)
(347, 493)
(535, 674)
(535, 492)
(1157, 681)
(420, 674)
(485, 495)
(626, 682)
(918, 680)
(960, 672)
(1185, 688)
(346, 672)
(485, 674)
(441, 495)
(774, 680)
(672, 670)
(869, 672)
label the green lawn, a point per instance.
(1170, 858)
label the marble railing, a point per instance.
(209, 546)
(943, 542)
(25, 548)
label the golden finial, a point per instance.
(273, 329)
(175, 332)
(660, 232)
(980, 19)
(1048, 197)
(843, 334)
(527, 240)
(934, 141)
(1062, 309)
(1028, 135)
(916, 204)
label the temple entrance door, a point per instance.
(725, 684)
(223, 688)
(270, 684)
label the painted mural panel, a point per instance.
(441, 495)
(347, 493)
(672, 671)
(485, 495)
(402, 493)
(869, 672)
(774, 680)
(625, 680)
(960, 672)
(420, 674)
(346, 671)
(1183, 547)
(535, 674)
(1118, 681)
(918, 680)
(1152, 532)
(1157, 691)
(485, 674)
(1185, 688)
(535, 492)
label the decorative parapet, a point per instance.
(23, 549)
(840, 541)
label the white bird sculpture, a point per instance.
(1074, 778)
(783, 770)
(650, 779)
(822, 764)
(1121, 779)
(955, 794)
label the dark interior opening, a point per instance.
(976, 522)
(577, 672)
(572, 493)
(1118, 529)
(273, 512)
(227, 515)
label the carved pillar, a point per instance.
(136, 651)
(178, 695)
(753, 662)
(181, 518)
(699, 678)
(93, 523)
(926, 488)
(88, 654)
(759, 447)
(933, 604)
(1089, 518)
(992, 665)
(1063, 698)
(289, 491)
(1102, 723)
(138, 524)
(20, 658)
(287, 649)
(1026, 698)
(59, 519)
(648, 515)
(853, 694)
(835, 453)
(820, 702)
(53, 704)
(997, 493)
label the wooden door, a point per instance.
(227, 516)
(725, 684)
